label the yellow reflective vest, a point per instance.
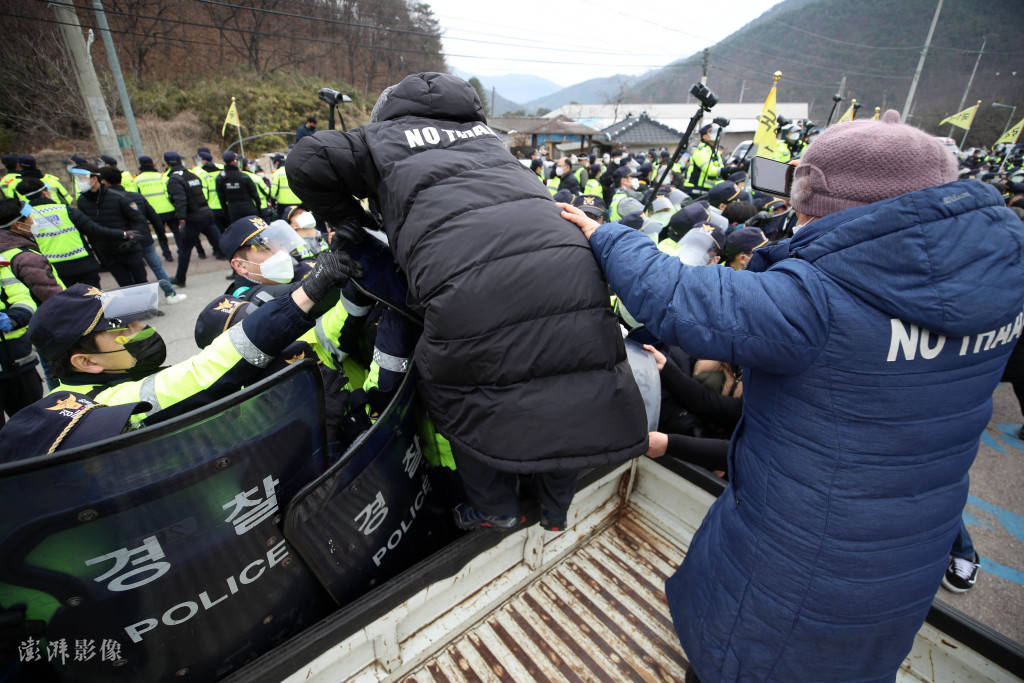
(57, 237)
(153, 186)
(280, 190)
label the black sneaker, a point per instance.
(552, 522)
(469, 518)
(177, 283)
(961, 574)
(169, 257)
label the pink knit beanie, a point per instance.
(859, 162)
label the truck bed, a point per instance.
(587, 604)
(599, 613)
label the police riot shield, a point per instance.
(159, 554)
(375, 512)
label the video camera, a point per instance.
(706, 98)
(333, 97)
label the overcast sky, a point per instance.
(568, 41)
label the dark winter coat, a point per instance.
(521, 362)
(872, 342)
(115, 210)
(238, 194)
(29, 266)
(185, 190)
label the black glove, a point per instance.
(332, 269)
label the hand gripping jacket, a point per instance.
(872, 342)
(521, 363)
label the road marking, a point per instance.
(1011, 521)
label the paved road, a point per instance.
(995, 520)
(994, 514)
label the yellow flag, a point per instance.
(231, 118)
(961, 119)
(1011, 135)
(764, 136)
(848, 116)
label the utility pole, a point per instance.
(909, 104)
(842, 87)
(704, 62)
(969, 81)
(743, 86)
(88, 83)
(115, 68)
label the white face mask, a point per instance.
(634, 183)
(305, 220)
(278, 268)
(559, 171)
(83, 184)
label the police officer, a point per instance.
(110, 177)
(628, 183)
(117, 361)
(258, 265)
(152, 185)
(27, 164)
(237, 192)
(20, 384)
(210, 171)
(114, 210)
(279, 189)
(58, 231)
(13, 174)
(262, 189)
(19, 249)
(190, 210)
(705, 163)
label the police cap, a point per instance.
(9, 161)
(633, 220)
(109, 160)
(27, 161)
(205, 155)
(61, 421)
(218, 315)
(624, 172)
(590, 205)
(564, 196)
(172, 158)
(63, 319)
(240, 233)
(229, 157)
(723, 193)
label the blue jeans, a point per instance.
(963, 546)
(152, 259)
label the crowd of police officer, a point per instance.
(96, 351)
(51, 253)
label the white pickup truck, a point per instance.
(586, 604)
(228, 543)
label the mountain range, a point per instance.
(874, 44)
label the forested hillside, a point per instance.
(272, 55)
(876, 45)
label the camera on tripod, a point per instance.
(706, 98)
(333, 97)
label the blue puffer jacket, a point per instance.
(872, 342)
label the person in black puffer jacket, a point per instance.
(113, 209)
(521, 364)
